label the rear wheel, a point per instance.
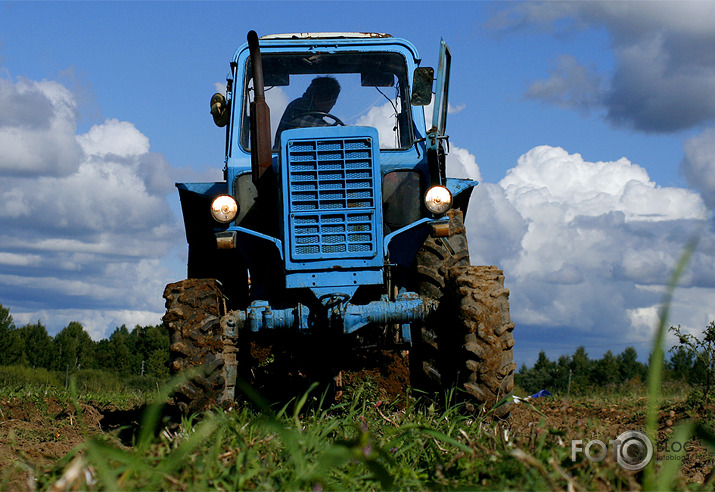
(193, 313)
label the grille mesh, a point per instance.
(332, 198)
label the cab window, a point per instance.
(322, 89)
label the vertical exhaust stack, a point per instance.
(261, 158)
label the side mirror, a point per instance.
(219, 109)
(422, 86)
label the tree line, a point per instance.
(610, 371)
(143, 351)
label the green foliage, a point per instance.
(72, 349)
(585, 373)
(697, 355)
(12, 347)
(5, 319)
(18, 377)
(628, 366)
(606, 369)
(697, 400)
(141, 352)
(38, 345)
(360, 444)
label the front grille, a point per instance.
(332, 198)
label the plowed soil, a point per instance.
(35, 434)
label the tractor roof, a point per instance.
(330, 40)
(327, 35)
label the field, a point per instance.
(61, 439)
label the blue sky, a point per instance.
(591, 126)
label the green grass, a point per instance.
(39, 386)
(362, 443)
(359, 444)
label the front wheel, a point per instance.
(476, 346)
(193, 313)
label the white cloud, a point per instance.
(549, 175)
(118, 138)
(462, 164)
(37, 129)
(494, 226)
(277, 101)
(19, 260)
(90, 243)
(578, 241)
(455, 109)
(383, 119)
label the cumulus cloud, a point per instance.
(462, 164)
(495, 226)
(37, 129)
(89, 243)
(113, 137)
(553, 176)
(698, 165)
(383, 119)
(587, 245)
(664, 76)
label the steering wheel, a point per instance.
(322, 114)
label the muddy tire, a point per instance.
(434, 259)
(479, 355)
(193, 312)
(438, 254)
(468, 342)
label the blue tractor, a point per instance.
(335, 228)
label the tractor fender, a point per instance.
(461, 190)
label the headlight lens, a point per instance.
(438, 199)
(224, 208)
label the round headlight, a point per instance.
(438, 199)
(224, 208)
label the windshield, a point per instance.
(321, 89)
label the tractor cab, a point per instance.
(331, 175)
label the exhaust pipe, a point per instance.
(261, 158)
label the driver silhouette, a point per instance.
(310, 108)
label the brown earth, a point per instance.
(36, 433)
(590, 420)
(581, 419)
